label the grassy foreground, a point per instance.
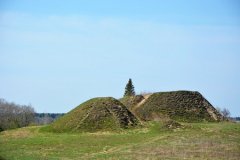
(194, 141)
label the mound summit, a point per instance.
(96, 114)
(184, 106)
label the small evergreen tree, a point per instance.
(129, 89)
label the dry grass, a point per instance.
(19, 133)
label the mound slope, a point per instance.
(185, 106)
(96, 114)
(131, 101)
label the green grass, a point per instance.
(213, 141)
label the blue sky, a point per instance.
(58, 54)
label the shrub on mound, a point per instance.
(95, 115)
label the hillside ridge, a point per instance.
(182, 105)
(145, 97)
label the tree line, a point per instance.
(14, 116)
(46, 118)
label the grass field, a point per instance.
(193, 141)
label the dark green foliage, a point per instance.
(52, 115)
(185, 106)
(96, 115)
(129, 89)
(1, 158)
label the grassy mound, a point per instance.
(95, 115)
(185, 106)
(131, 101)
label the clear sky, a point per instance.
(57, 54)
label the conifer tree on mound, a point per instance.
(129, 89)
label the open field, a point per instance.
(193, 141)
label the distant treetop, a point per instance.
(129, 89)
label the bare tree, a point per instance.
(14, 116)
(226, 113)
